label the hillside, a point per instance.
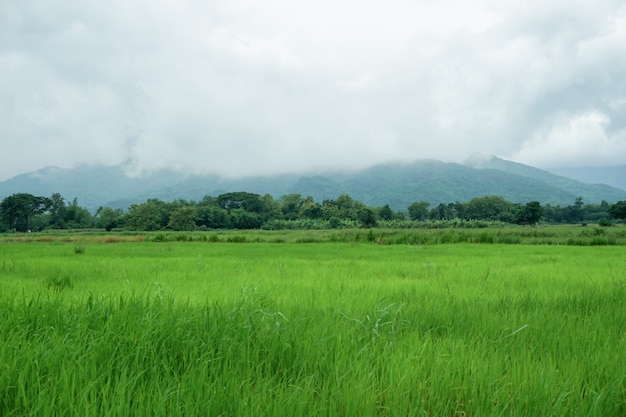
(395, 184)
(614, 176)
(596, 191)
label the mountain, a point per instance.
(93, 186)
(396, 184)
(614, 176)
(590, 192)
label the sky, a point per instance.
(248, 87)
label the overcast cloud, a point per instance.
(246, 87)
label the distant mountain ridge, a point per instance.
(396, 184)
(614, 176)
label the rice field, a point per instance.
(202, 328)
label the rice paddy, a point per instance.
(219, 328)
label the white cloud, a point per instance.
(244, 87)
(575, 140)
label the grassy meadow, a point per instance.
(257, 324)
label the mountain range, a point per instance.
(396, 184)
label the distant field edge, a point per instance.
(571, 235)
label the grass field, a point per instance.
(350, 328)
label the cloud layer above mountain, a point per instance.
(242, 87)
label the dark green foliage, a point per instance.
(242, 210)
(618, 211)
(309, 209)
(240, 200)
(290, 205)
(183, 218)
(489, 208)
(367, 217)
(386, 213)
(108, 218)
(530, 213)
(17, 210)
(145, 216)
(418, 210)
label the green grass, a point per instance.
(356, 329)
(570, 235)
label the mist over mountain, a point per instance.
(614, 176)
(396, 184)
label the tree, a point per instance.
(108, 218)
(17, 209)
(576, 211)
(418, 210)
(57, 211)
(76, 216)
(348, 207)
(145, 216)
(242, 219)
(618, 211)
(367, 217)
(271, 208)
(310, 209)
(489, 208)
(386, 213)
(183, 218)
(530, 213)
(240, 200)
(213, 217)
(291, 204)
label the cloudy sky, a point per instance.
(243, 87)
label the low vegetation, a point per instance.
(247, 211)
(169, 326)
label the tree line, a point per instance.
(24, 212)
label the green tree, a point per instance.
(77, 217)
(576, 211)
(489, 208)
(213, 217)
(367, 217)
(271, 208)
(290, 206)
(618, 211)
(57, 211)
(386, 213)
(144, 216)
(242, 219)
(108, 218)
(183, 218)
(530, 213)
(17, 209)
(349, 208)
(310, 209)
(240, 200)
(418, 210)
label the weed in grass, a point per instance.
(59, 282)
(79, 250)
